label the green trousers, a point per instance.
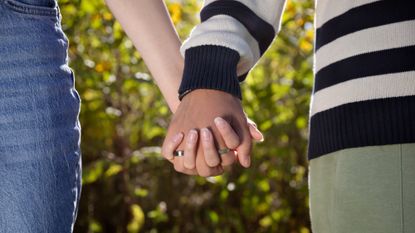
(364, 190)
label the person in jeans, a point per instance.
(40, 157)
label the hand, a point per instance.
(198, 111)
(225, 130)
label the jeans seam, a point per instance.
(31, 10)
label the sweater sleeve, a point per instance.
(231, 38)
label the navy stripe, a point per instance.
(363, 17)
(368, 64)
(365, 123)
(262, 31)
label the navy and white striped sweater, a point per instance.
(364, 65)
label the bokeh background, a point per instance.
(129, 187)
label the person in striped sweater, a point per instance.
(361, 131)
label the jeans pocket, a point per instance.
(21, 7)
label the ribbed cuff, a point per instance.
(210, 67)
(374, 122)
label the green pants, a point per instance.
(364, 190)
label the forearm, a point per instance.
(230, 39)
(148, 25)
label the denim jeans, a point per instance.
(40, 158)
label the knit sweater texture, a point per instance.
(364, 65)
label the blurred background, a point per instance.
(129, 187)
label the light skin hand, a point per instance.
(198, 110)
(224, 128)
(160, 51)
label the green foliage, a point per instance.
(128, 187)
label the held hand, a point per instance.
(198, 111)
(226, 132)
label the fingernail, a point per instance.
(219, 121)
(262, 137)
(177, 137)
(192, 136)
(205, 134)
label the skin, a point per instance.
(148, 25)
(198, 110)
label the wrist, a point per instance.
(211, 95)
(210, 67)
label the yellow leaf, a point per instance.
(113, 170)
(306, 46)
(107, 16)
(175, 12)
(137, 220)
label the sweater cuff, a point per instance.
(210, 67)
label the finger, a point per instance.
(244, 150)
(171, 145)
(202, 168)
(178, 163)
(251, 122)
(209, 150)
(227, 158)
(229, 136)
(189, 161)
(255, 133)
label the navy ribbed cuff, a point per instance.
(210, 67)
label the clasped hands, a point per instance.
(206, 121)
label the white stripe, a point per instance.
(373, 87)
(372, 39)
(226, 31)
(328, 9)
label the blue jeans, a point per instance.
(40, 158)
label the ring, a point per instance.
(178, 153)
(223, 151)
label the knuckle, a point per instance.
(170, 146)
(233, 144)
(165, 155)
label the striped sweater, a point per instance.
(364, 65)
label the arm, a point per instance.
(148, 25)
(218, 54)
(230, 40)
